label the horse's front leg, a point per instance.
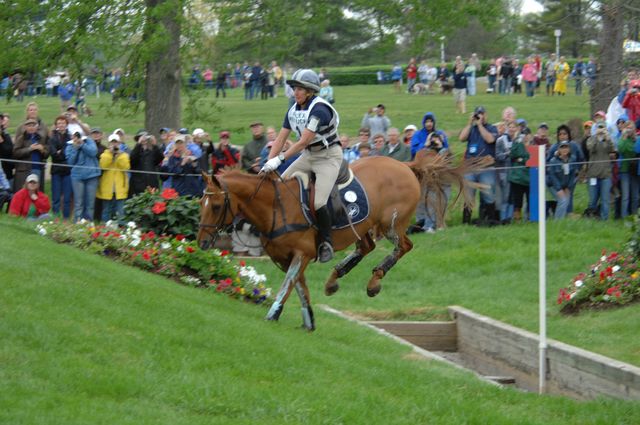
(308, 321)
(285, 289)
(363, 247)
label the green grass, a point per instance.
(86, 340)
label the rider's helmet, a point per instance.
(305, 78)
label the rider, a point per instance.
(315, 122)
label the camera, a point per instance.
(77, 135)
(476, 116)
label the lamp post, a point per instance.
(557, 33)
(442, 49)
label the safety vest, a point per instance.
(326, 134)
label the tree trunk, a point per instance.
(163, 75)
(607, 84)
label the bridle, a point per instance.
(213, 230)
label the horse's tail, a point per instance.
(437, 172)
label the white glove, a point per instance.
(271, 165)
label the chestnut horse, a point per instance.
(274, 207)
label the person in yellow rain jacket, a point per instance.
(113, 187)
(562, 75)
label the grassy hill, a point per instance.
(86, 340)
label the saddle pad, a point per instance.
(354, 199)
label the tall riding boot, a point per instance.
(466, 215)
(325, 248)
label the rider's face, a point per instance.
(301, 95)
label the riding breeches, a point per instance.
(325, 164)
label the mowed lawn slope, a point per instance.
(86, 340)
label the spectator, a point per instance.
(6, 147)
(472, 67)
(396, 77)
(145, 157)
(5, 189)
(394, 148)
(183, 167)
(113, 187)
(75, 124)
(30, 202)
(202, 139)
(460, 87)
(364, 149)
(376, 121)
(506, 76)
(585, 136)
(419, 139)
(423, 72)
(563, 133)
(379, 140)
(348, 153)
(631, 101)
(81, 154)
(480, 138)
(221, 79)
(518, 177)
(601, 152)
(408, 133)
(578, 74)
(207, 77)
(492, 73)
(66, 91)
(629, 178)
(412, 74)
(509, 115)
(530, 76)
(60, 172)
(224, 155)
(326, 91)
(590, 71)
(562, 75)
(363, 138)
(250, 157)
(503, 164)
(561, 177)
(31, 146)
(550, 73)
(32, 113)
(542, 136)
(517, 77)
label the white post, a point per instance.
(542, 264)
(557, 33)
(442, 49)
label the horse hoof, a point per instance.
(331, 289)
(372, 292)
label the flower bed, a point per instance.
(173, 256)
(613, 280)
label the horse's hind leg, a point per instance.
(284, 291)
(402, 245)
(363, 247)
(308, 321)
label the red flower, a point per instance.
(228, 281)
(159, 207)
(613, 289)
(169, 193)
(146, 256)
(179, 237)
(95, 235)
(602, 276)
(617, 294)
(224, 253)
(242, 263)
(150, 234)
(190, 249)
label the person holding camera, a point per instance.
(631, 101)
(113, 187)
(480, 138)
(376, 121)
(601, 152)
(145, 157)
(81, 155)
(183, 167)
(60, 172)
(30, 146)
(629, 178)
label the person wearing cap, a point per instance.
(30, 202)
(541, 138)
(32, 147)
(75, 124)
(145, 158)
(224, 155)
(183, 168)
(60, 171)
(202, 139)
(587, 126)
(408, 133)
(562, 175)
(82, 154)
(316, 123)
(376, 121)
(250, 157)
(563, 133)
(631, 101)
(123, 137)
(480, 137)
(113, 187)
(601, 153)
(601, 117)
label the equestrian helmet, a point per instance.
(305, 78)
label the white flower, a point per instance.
(137, 233)
(606, 297)
(180, 248)
(165, 245)
(111, 224)
(615, 268)
(603, 258)
(131, 225)
(42, 230)
(578, 283)
(573, 295)
(134, 242)
(122, 237)
(82, 221)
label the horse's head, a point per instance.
(215, 211)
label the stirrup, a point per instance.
(325, 252)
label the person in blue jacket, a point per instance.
(419, 138)
(81, 154)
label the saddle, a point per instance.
(347, 187)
